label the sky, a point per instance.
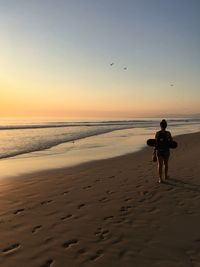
(55, 58)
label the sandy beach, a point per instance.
(106, 213)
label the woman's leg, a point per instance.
(166, 168)
(160, 167)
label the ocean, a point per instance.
(68, 142)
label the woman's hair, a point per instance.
(163, 124)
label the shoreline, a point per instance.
(98, 147)
(108, 213)
(70, 154)
(142, 149)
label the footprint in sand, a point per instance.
(48, 263)
(143, 193)
(155, 199)
(87, 187)
(66, 217)
(46, 202)
(36, 229)
(181, 203)
(108, 218)
(127, 199)
(81, 251)
(102, 234)
(109, 192)
(121, 220)
(48, 239)
(170, 189)
(142, 199)
(124, 212)
(12, 248)
(81, 205)
(125, 209)
(103, 199)
(117, 240)
(64, 193)
(70, 243)
(153, 210)
(111, 177)
(96, 255)
(18, 211)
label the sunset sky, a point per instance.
(55, 58)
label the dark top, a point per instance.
(163, 139)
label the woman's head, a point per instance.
(163, 124)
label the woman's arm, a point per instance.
(170, 136)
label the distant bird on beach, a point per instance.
(125, 68)
(171, 85)
(111, 64)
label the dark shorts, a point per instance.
(163, 154)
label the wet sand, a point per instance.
(105, 213)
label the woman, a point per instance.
(163, 139)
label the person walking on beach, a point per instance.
(163, 139)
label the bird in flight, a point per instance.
(111, 64)
(125, 68)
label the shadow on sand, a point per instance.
(183, 184)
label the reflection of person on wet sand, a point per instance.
(163, 139)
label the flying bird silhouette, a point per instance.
(111, 64)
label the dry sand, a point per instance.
(106, 213)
